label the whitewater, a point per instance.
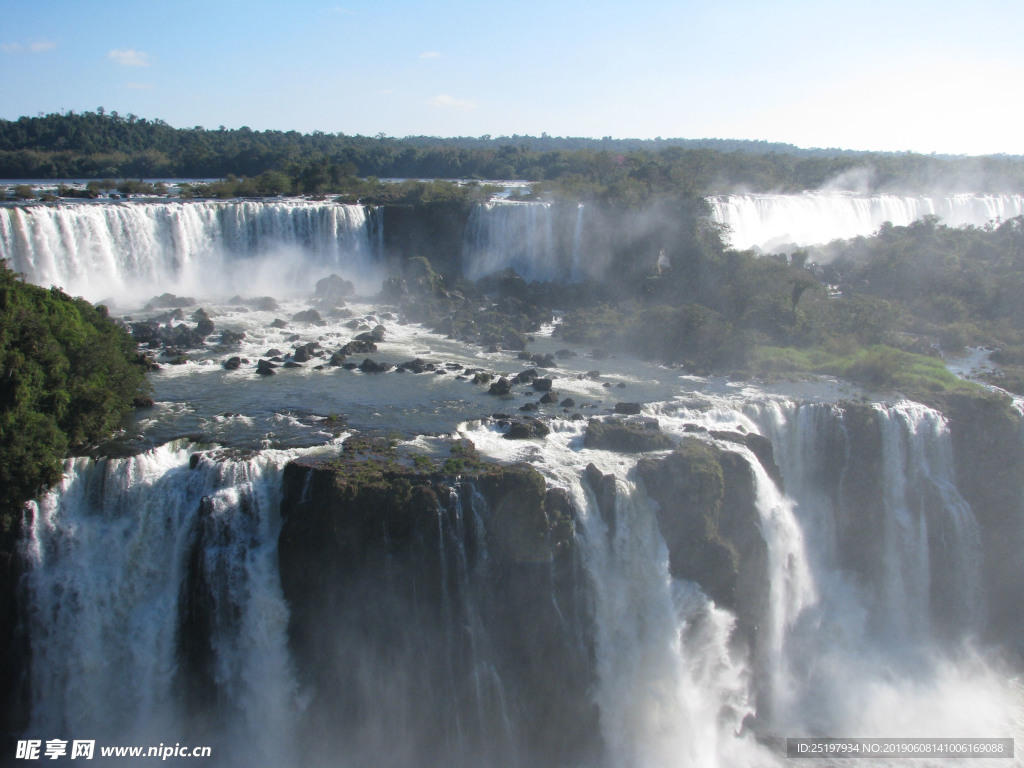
(184, 506)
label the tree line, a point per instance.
(99, 144)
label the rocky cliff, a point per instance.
(453, 589)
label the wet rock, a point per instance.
(638, 436)
(603, 487)
(527, 428)
(334, 289)
(310, 316)
(265, 368)
(627, 409)
(416, 366)
(204, 327)
(358, 347)
(501, 387)
(543, 385)
(169, 300)
(372, 366)
(233, 363)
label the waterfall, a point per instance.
(155, 607)
(578, 270)
(769, 221)
(155, 613)
(519, 236)
(888, 644)
(670, 691)
(131, 251)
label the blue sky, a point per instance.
(934, 76)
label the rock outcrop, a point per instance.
(417, 578)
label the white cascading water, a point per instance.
(108, 552)
(835, 655)
(670, 691)
(578, 270)
(520, 236)
(132, 250)
(864, 658)
(767, 221)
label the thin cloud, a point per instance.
(139, 86)
(446, 101)
(40, 46)
(129, 57)
(431, 55)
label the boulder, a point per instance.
(416, 366)
(358, 347)
(372, 366)
(527, 428)
(333, 289)
(233, 363)
(310, 316)
(204, 327)
(501, 387)
(627, 409)
(543, 385)
(621, 436)
(265, 368)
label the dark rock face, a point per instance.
(405, 584)
(14, 698)
(265, 368)
(760, 446)
(688, 487)
(626, 436)
(605, 493)
(988, 456)
(707, 514)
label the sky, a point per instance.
(898, 75)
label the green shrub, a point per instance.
(70, 374)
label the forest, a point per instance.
(96, 145)
(70, 374)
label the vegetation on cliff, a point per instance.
(878, 311)
(69, 374)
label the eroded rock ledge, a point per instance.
(421, 575)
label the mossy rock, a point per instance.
(626, 436)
